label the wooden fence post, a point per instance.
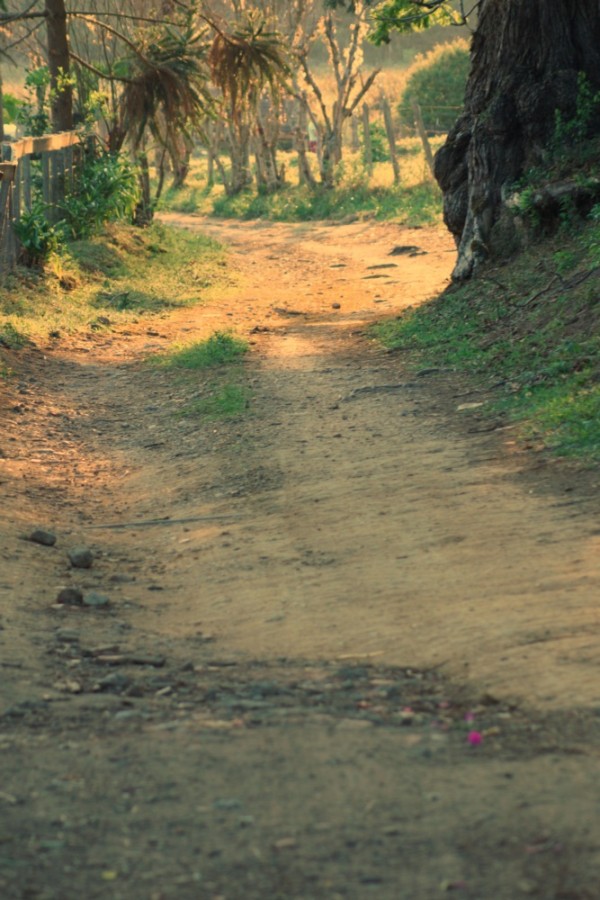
(368, 148)
(423, 135)
(8, 243)
(355, 140)
(389, 127)
(25, 167)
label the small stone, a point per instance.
(227, 803)
(67, 636)
(424, 373)
(43, 537)
(122, 579)
(70, 597)
(81, 557)
(336, 305)
(466, 406)
(116, 681)
(286, 843)
(96, 601)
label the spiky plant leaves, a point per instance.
(243, 61)
(167, 89)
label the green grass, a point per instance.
(117, 277)
(11, 338)
(419, 205)
(531, 328)
(221, 348)
(223, 401)
(359, 193)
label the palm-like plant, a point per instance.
(167, 88)
(243, 61)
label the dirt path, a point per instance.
(273, 705)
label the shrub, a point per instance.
(436, 81)
(12, 105)
(105, 191)
(38, 239)
(380, 148)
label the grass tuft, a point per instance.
(223, 402)
(221, 348)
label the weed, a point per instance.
(11, 338)
(223, 402)
(221, 348)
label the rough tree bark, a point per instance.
(59, 66)
(526, 58)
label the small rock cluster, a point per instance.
(80, 557)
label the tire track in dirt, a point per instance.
(265, 710)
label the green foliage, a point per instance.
(38, 239)
(11, 337)
(220, 349)
(568, 417)
(410, 15)
(221, 402)
(576, 128)
(380, 148)
(12, 106)
(33, 114)
(436, 81)
(106, 190)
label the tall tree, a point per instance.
(527, 61)
(59, 66)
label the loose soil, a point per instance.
(351, 646)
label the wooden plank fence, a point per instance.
(59, 156)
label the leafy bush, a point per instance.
(37, 237)
(106, 190)
(12, 105)
(380, 148)
(436, 81)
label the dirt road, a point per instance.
(351, 642)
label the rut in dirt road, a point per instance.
(306, 601)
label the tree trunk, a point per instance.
(526, 58)
(59, 66)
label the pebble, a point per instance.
(116, 681)
(81, 557)
(336, 305)
(70, 596)
(226, 803)
(97, 601)
(41, 536)
(67, 635)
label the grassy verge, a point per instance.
(119, 277)
(530, 329)
(415, 201)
